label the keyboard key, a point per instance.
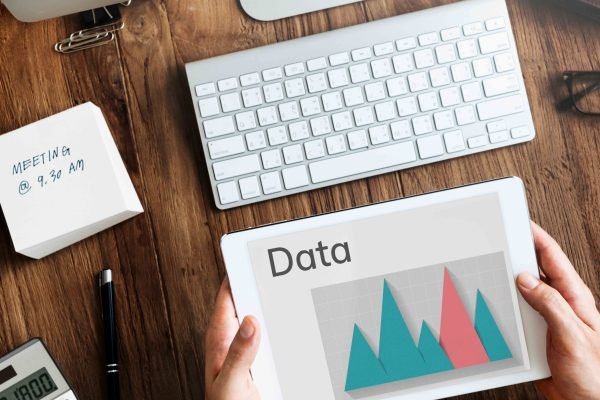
(498, 137)
(353, 96)
(471, 92)
(477, 141)
(249, 187)
(495, 24)
(236, 167)
(504, 62)
(272, 74)
(267, 116)
(400, 129)
(418, 82)
(273, 92)
(492, 43)
(428, 101)
(342, 121)
(385, 111)
(250, 79)
(473, 29)
(218, 127)
(361, 54)
(271, 183)
(465, 115)
(396, 87)
(205, 89)
(445, 53)
(337, 78)
(310, 106)
(294, 69)
(375, 91)
(245, 121)
(208, 107)
(293, 154)
(320, 126)
(277, 135)
(439, 77)
(500, 85)
(227, 84)
(228, 192)
(314, 149)
(295, 177)
(424, 58)
(316, 64)
(332, 101)
(361, 162)
(461, 72)
(357, 140)
(383, 49)
(226, 147)
(339, 59)
(295, 88)
(359, 73)
(316, 83)
(252, 97)
(450, 34)
(230, 102)
(271, 159)
(422, 125)
(288, 111)
(381, 68)
(379, 134)
(500, 107)
(363, 116)
(402, 63)
(483, 67)
(443, 120)
(406, 44)
(256, 140)
(430, 146)
(406, 106)
(467, 48)
(496, 126)
(428, 38)
(450, 96)
(519, 132)
(299, 131)
(335, 144)
(454, 141)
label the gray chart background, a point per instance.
(418, 293)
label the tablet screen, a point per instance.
(390, 305)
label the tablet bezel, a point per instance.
(515, 213)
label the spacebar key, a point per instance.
(365, 161)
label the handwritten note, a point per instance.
(61, 180)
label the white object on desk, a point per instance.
(62, 180)
(268, 10)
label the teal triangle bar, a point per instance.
(488, 331)
(364, 369)
(435, 357)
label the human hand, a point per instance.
(230, 350)
(569, 308)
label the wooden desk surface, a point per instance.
(167, 261)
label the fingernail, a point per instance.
(247, 328)
(527, 281)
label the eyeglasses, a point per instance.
(584, 92)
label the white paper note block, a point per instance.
(62, 180)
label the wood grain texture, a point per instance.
(167, 261)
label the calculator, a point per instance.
(30, 373)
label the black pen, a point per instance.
(110, 334)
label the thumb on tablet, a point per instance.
(243, 351)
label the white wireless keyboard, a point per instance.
(360, 101)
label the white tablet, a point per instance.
(409, 299)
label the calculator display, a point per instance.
(35, 387)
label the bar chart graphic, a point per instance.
(398, 331)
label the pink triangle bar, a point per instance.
(458, 337)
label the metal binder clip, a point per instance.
(103, 24)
